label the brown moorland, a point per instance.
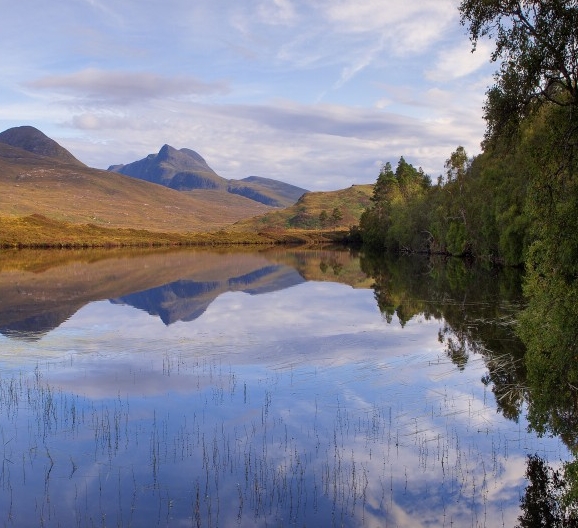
(53, 200)
(33, 184)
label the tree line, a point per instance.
(515, 204)
(478, 208)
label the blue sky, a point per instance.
(318, 93)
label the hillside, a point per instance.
(69, 191)
(32, 140)
(315, 210)
(185, 170)
(49, 198)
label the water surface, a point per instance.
(271, 388)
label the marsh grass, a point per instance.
(240, 449)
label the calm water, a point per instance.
(278, 388)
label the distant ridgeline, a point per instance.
(186, 170)
(39, 179)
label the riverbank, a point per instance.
(38, 231)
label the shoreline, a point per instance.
(40, 232)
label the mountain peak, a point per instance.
(183, 159)
(33, 140)
(166, 152)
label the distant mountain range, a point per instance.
(173, 191)
(186, 170)
(38, 176)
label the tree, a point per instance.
(323, 218)
(336, 215)
(545, 501)
(537, 44)
(395, 220)
(457, 165)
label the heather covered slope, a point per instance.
(48, 198)
(71, 192)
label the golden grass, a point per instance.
(48, 203)
(37, 231)
(82, 195)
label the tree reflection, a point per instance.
(476, 307)
(549, 328)
(531, 356)
(548, 500)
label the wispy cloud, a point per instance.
(125, 87)
(459, 62)
(277, 12)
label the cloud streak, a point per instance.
(125, 87)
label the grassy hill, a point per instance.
(49, 198)
(63, 191)
(315, 210)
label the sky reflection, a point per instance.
(296, 406)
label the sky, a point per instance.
(316, 93)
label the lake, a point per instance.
(279, 387)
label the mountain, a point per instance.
(32, 140)
(38, 177)
(186, 170)
(182, 170)
(315, 210)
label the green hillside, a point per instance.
(315, 210)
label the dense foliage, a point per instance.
(517, 202)
(476, 209)
(519, 195)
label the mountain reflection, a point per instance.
(40, 290)
(186, 300)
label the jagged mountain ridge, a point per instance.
(186, 170)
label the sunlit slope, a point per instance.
(64, 191)
(316, 210)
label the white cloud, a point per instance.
(403, 22)
(116, 87)
(277, 12)
(459, 62)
